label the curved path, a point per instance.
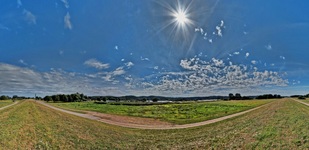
(92, 116)
(301, 102)
(8, 105)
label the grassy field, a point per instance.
(5, 102)
(173, 113)
(281, 125)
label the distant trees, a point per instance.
(236, 97)
(76, 97)
(155, 100)
(268, 96)
(3, 97)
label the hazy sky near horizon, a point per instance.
(154, 47)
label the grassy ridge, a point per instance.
(5, 103)
(281, 125)
(174, 113)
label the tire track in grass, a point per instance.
(153, 127)
(300, 102)
(8, 105)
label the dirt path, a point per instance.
(143, 123)
(301, 102)
(8, 105)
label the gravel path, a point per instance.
(100, 117)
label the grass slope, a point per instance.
(174, 113)
(281, 125)
(5, 103)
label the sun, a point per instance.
(178, 19)
(181, 18)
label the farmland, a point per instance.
(173, 113)
(280, 125)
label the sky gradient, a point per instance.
(154, 47)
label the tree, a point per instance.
(237, 96)
(48, 98)
(155, 100)
(231, 96)
(15, 97)
(56, 98)
(3, 97)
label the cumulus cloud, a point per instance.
(96, 64)
(145, 59)
(18, 80)
(268, 47)
(247, 55)
(236, 53)
(254, 62)
(219, 31)
(67, 21)
(29, 17)
(282, 57)
(116, 47)
(66, 3)
(129, 64)
(22, 62)
(206, 76)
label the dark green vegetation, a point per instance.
(5, 102)
(174, 113)
(281, 125)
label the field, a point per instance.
(173, 113)
(281, 125)
(5, 102)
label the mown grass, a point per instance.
(281, 125)
(173, 113)
(5, 103)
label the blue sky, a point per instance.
(154, 47)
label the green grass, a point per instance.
(173, 113)
(5, 103)
(281, 125)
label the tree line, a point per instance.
(76, 97)
(238, 96)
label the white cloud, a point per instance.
(19, 3)
(96, 64)
(129, 64)
(66, 3)
(254, 62)
(122, 59)
(67, 21)
(247, 55)
(116, 47)
(222, 23)
(22, 62)
(219, 31)
(282, 57)
(210, 40)
(156, 67)
(211, 76)
(4, 27)
(29, 17)
(268, 47)
(236, 53)
(119, 71)
(145, 59)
